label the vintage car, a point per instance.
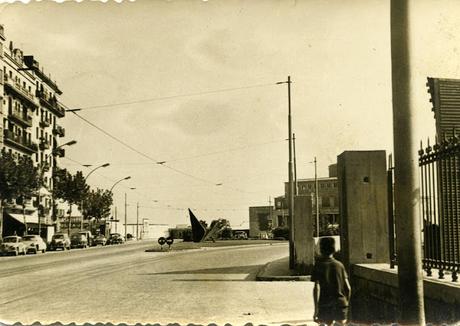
(34, 243)
(78, 240)
(12, 245)
(100, 239)
(60, 241)
(115, 238)
(89, 237)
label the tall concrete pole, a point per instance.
(410, 276)
(291, 184)
(291, 181)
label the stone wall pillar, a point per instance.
(303, 235)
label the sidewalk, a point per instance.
(278, 270)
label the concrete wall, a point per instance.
(363, 209)
(375, 296)
(303, 235)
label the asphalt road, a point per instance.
(126, 284)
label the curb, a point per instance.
(287, 278)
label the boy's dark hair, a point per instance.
(327, 246)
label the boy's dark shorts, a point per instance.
(327, 314)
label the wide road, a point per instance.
(126, 284)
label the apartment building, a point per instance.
(29, 126)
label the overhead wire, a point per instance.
(222, 90)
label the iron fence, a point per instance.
(440, 206)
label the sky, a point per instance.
(203, 78)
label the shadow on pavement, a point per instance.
(251, 270)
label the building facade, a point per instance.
(328, 200)
(29, 126)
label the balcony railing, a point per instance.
(51, 103)
(20, 142)
(44, 144)
(45, 123)
(58, 130)
(21, 118)
(20, 91)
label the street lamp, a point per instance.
(126, 178)
(69, 143)
(83, 201)
(126, 214)
(111, 190)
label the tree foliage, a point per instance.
(71, 188)
(19, 178)
(97, 204)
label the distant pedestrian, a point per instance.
(332, 291)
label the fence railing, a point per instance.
(440, 206)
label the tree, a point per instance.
(71, 188)
(19, 179)
(97, 204)
(7, 167)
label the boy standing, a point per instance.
(332, 290)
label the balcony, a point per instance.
(51, 103)
(58, 130)
(44, 144)
(19, 142)
(20, 91)
(45, 123)
(60, 152)
(20, 118)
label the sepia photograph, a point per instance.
(230, 162)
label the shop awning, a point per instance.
(29, 218)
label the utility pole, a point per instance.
(296, 188)
(137, 221)
(291, 183)
(316, 200)
(126, 216)
(116, 219)
(408, 238)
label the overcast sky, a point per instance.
(179, 55)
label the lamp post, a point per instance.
(83, 201)
(126, 214)
(291, 183)
(111, 190)
(54, 154)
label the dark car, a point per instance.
(60, 241)
(115, 238)
(100, 240)
(78, 240)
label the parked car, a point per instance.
(115, 238)
(34, 243)
(78, 240)
(60, 241)
(241, 235)
(89, 237)
(100, 240)
(13, 245)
